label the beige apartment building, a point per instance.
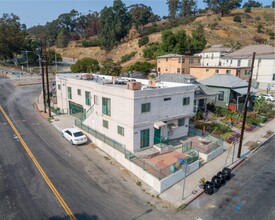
(176, 63)
(203, 72)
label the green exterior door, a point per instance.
(144, 138)
(157, 136)
(76, 109)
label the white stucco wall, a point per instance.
(126, 108)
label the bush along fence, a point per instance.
(141, 162)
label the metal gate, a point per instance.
(76, 109)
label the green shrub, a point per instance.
(127, 57)
(247, 10)
(143, 41)
(237, 18)
(91, 43)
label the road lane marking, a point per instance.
(42, 172)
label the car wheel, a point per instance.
(268, 99)
(72, 142)
(63, 135)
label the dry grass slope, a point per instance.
(218, 30)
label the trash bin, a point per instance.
(227, 172)
(216, 181)
(208, 188)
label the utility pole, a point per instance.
(47, 82)
(43, 86)
(245, 106)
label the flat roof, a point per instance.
(106, 80)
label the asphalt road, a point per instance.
(249, 195)
(91, 187)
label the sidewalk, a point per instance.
(174, 194)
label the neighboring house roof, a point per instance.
(177, 56)
(178, 78)
(217, 48)
(243, 90)
(225, 81)
(262, 51)
(187, 78)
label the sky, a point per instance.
(35, 12)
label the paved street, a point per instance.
(89, 184)
(249, 195)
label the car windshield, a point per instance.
(78, 134)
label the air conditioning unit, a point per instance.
(134, 85)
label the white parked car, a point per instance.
(74, 135)
(268, 97)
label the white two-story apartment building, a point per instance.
(137, 114)
(213, 56)
(264, 64)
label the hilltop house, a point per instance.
(264, 65)
(213, 56)
(176, 63)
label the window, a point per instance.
(212, 55)
(191, 60)
(199, 60)
(78, 91)
(231, 61)
(228, 72)
(179, 60)
(249, 62)
(166, 59)
(95, 99)
(221, 96)
(181, 122)
(105, 124)
(167, 99)
(146, 107)
(87, 98)
(69, 92)
(58, 87)
(166, 69)
(216, 71)
(186, 101)
(182, 70)
(159, 69)
(273, 77)
(178, 70)
(238, 72)
(106, 106)
(144, 138)
(246, 72)
(182, 60)
(120, 130)
(239, 63)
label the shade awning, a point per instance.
(243, 91)
(159, 124)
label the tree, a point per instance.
(273, 4)
(68, 20)
(62, 39)
(144, 67)
(114, 23)
(181, 42)
(222, 6)
(142, 14)
(187, 7)
(121, 19)
(168, 41)
(12, 37)
(110, 68)
(197, 42)
(173, 8)
(85, 65)
(252, 4)
(53, 56)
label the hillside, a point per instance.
(218, 30)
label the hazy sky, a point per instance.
(34, 12)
